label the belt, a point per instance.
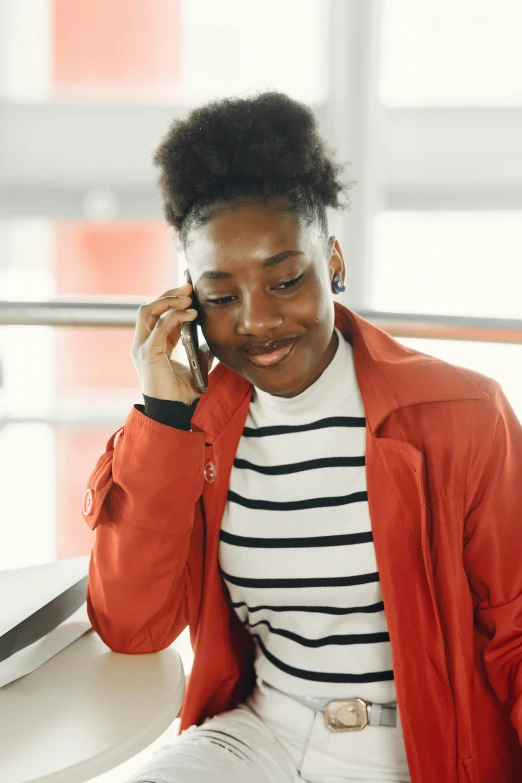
(350, 714)
(356, 714)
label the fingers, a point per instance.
(186, 288)
(166, 333)
(149, 314)
(173, 318)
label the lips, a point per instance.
(268, 347)
(272, 358)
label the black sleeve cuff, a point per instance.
(170, 412)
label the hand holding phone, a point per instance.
(158, 330)
(198, 356)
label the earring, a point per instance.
(338, 284)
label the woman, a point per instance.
(337, 519)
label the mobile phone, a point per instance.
(197, 354)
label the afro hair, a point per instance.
(236, 148)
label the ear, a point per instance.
(336, 260)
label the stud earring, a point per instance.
(338, 284)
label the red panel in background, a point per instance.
(135, 259)
(122, 259)
(116, 42)
(89, 358)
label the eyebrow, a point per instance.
(272, 261)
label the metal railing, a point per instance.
(102, 312)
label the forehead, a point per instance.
(244, 234)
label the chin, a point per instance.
(291, 388)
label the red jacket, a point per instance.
(444, 478)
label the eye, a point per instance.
(219, 301)
(287, 284)
(290, 283)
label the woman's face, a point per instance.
(225, 259)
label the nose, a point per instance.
(257, 315)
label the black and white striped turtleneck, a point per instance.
(296, 549)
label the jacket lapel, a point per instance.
(391, 376)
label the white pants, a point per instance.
(273, 738)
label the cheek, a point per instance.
(312, 311)
(217, 329)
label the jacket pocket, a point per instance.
(98, 486)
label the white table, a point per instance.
(85, 711)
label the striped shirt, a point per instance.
(296, 549)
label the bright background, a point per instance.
(425, 100)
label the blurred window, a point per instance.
(451, 54)
(86, 380)
(454, 263)
(463, 263)
(64, 391)
(175, 51)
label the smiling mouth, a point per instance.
(270, 359)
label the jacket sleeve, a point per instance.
(146, 563)
(493, 543)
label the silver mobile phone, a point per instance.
(197, 354)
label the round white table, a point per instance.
(85, 711)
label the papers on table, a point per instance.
(42, 611)
(30, 658)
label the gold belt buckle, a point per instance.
(346, 714)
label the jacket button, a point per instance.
(88, 500)
(209, 472)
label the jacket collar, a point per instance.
(389, 376)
